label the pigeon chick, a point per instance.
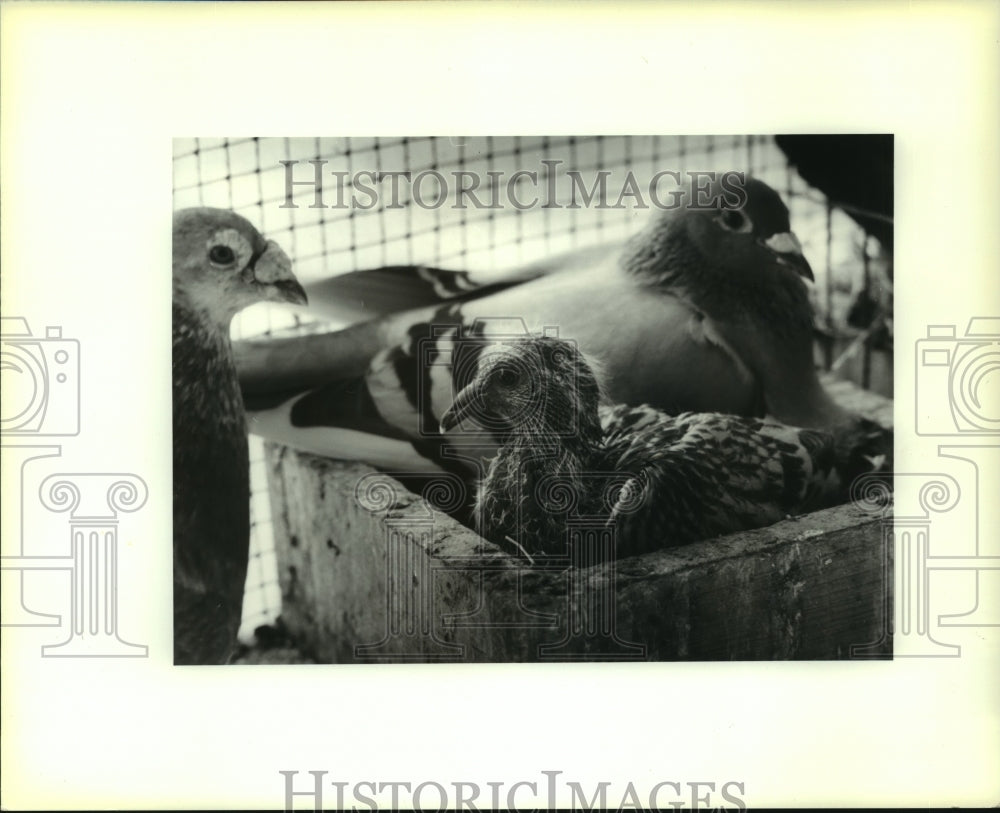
(221, 264)
(659, 480)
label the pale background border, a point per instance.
(93, 94)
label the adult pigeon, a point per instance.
(658, 480)
(706, 310)
(221, 264)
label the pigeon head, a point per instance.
(531, 389)
(734, 226)
(755, 229)
(222, 264)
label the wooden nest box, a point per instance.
(372, 572)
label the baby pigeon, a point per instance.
(659, 480)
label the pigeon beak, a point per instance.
(788, 250)
(460, 408)
(273, 269)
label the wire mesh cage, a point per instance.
(338, 205)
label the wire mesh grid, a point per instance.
(362, 214)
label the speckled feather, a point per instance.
(660, 480)
(701, 475)
(211, 491)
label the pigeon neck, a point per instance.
(192, 328)
(204, 376)
(781, 360)
(204, 304)
(529, 487)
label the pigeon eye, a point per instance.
(735, 221)
(221, 255)
(506, 377)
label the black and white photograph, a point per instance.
(532, 398)
(497, 406)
